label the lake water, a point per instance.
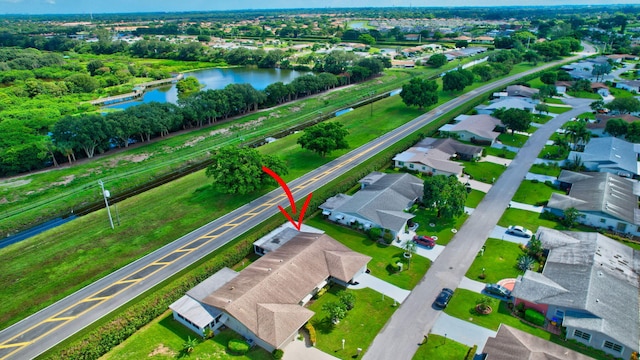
(218, 79)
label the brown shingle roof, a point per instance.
(264, 297)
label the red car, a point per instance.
(424, 240)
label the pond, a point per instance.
(217, 79)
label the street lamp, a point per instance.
(106, 194)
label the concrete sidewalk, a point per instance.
(381, 286)
(496, 160)
(299, 349)
(462, 331)
(475, 286)
(500, 232)
(521, 206)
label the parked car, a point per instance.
(518, 230)
(424, 240)
(499, 290)
(443, 298)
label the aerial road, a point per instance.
(39, 332)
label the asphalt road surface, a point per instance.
(405, 330)
(43, 330)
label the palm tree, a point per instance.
(410, 248)
(525, 262)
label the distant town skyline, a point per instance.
(128, 6)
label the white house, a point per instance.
(474, 128)
(610, 154)
(433, 156)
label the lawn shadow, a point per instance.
(169, 323)
(324, 326)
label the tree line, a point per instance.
(27, 146)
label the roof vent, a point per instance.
(231, 288)
(597, 300)
(269, 269)
(281, 260)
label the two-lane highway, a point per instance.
(43, 330)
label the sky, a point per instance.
(122, 6)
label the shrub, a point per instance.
(471, 354)
(347, 298)
(237, 346)
(277, 354)
(312, 333)
(320, 292)
(534, 317)
(387, 237)
(374, 233)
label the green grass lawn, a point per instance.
(559, 109)
(553, 152)
(553, 101)
(620, 92)
(516, 140)
(541, 118)
(499, 261)
(439, 347)
(442, 227)
(503, 153)
(536, 83)
(474, 198)
(534, 193)
(546, 169)
(164, 337)
(462, 306)
(358, 328)
(383, 255)
(584, 95)
(529, 219)
(587, 115)
(486, 172)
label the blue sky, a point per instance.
(111, 6)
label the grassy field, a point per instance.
(546, 169)
(584, 95)
(541, 119)
(474, 198)
(533, 193)
(553, 101)
(559, 109)
(620, 93)
(462, 306)
(358, 328)
(486, 172)
(499, 262)
(528, 219)
(504, 153)
(164, 337)
(510, 139)
(553, 152)
(383, 255)
(439, 347)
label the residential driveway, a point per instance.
(540, 177)
(381, 286)
(298, 349)
(500, 232)
(462, 331)
(496, 160)
(521, 206)
(475, 184)
(475, 286)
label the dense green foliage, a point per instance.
(534, 317)
(514, 119)
(420, 92)
(324, 138)
(445, 194)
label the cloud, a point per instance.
(52, 2)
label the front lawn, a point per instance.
(382, 255)
(546, 169)
(358, 328)
(164, 337)
(503, 153)
(442, 227)
(534, 192)
(439, 347)
(541, 119)
(618, 93)
(587, 115)
(584, 95)
(516, 140)
(553, 101)
(559, 109)
(474, 198)
(462, 306)
(529, 219)
(499, 262)
(486, 172)
(553, 152)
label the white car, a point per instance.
(519, 231)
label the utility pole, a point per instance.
(106, 194)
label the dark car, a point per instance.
(499, 290)
(443, 298)
(424, 240)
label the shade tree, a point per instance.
(324, 138)
(445, 194)
(420, 93)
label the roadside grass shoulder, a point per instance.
(382, 255)
(164, 337)
(559, 109)
(553, 101)
(546, 169)
(553, 152)
(358, 328)
(510, 139)
(585, 95)
(587, 115)
(541, 118)
(483, 171)
(498, 261)
(503, 153)
(620, 93)
(474, 198)
(534, 192)
(439, 347)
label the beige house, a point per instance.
(265, 301)
(433, 156)
(477, 129)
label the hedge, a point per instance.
(312, 333)
(277, 354)
(237, 346)
(471, 353)
(534, 317)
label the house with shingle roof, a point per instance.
(380, 202)
(264, 302)
(508, 103)
(603, 200)
(513, 344)
(610, 154)
(432, 156)
(521, 91)
(474, 128)
(589, 285)
(597, 127)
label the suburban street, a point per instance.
(405, 330)
(43, 330)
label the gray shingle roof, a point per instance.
(481, 125)
(600, 192)
(600, 276)
(519, 90)
(610, 152)
(509, 103)
(450, 146)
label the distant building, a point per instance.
(597, 126)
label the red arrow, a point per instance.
(284, 186)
